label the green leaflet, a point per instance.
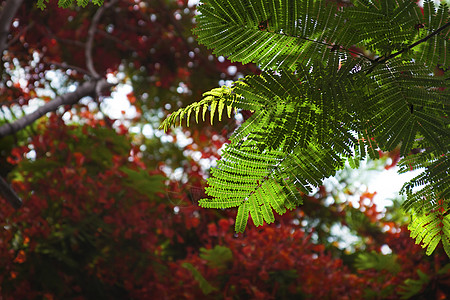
(431, 227)
(143, 182)
(436, 50)
(204, 285)
(265, 32)
(214, 100)
(384, 26)
(67, 3)
(404, 107)
(336, 83)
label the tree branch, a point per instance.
(8, 12)
(115, 39)
(90, 40)
(8, 193)
(86, 89)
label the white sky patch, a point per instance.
(192, 3)
(118, 103)
(388, 183)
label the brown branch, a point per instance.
(89, 88)
(90, 40)
(8, 12)
(115, 39)
(68, 67)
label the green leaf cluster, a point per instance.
(217, 257)
(377, 261)
(337, 84)
(68, 3)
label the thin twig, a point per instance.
(380, 61)
(68, 67)
(8, 13)
(415, 44)
(115, 39)
(59, 39)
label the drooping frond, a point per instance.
(431, 228)
(259, 182)
(214, 100)
(298, 108)
(412, 287)
(389, 27)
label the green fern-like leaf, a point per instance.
(41, 4)
(82, 3)
(204, 285)
(431, 228)
(404, 107)
(384, 26)
(434, 181)
(259, 182)
(217, 257)
(320, 101)
(377, 261)
(67, 3)
(214, 100)
(273, 34)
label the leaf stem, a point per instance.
(415, 44)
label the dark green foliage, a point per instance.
(413, 287)
(204, 285)
(336, 84)
(377, 261)
(218, 257)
